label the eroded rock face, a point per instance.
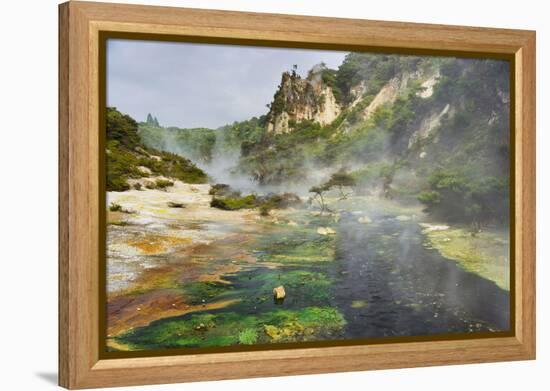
(428, 125)
(388, 94)
(428, 86)
(357, 92)
(397, 86)
(299, 99)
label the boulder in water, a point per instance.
(279, 293)
(364, 220)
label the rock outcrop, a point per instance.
(299, 99)
(428, 125)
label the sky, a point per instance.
(200, 85)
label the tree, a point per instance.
(152, 121)
(318, 195)
(341, 180)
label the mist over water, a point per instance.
(408, 289)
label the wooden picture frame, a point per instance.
(80, 27)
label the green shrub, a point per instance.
(236, 203)
(220, 189)
(163, 184)
(429, 198)
(277, 201)
(114, 207)
(265, 209)
(117, 184)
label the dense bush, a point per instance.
(163, 184)
(122, 128)
(453, 197)
(125, 154)
(228, 199)
(235, 203)
(114, 207)
(277, 201)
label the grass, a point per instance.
(296, 246)
(486, 254)
(231, 328)
(302, 287)
(198, 292)
(248, 337)
(299, 284)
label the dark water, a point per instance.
(386, 283)
(408, 289)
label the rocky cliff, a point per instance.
(298, 99)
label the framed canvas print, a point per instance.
(248, 195)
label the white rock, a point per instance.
(430, 227)
(364, 220)
(325, 231)
(279, 292)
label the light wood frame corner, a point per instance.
(80, 25)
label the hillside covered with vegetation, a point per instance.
(128, 158)
(412, 128)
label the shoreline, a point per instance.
(485, 254)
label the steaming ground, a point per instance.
(371, 268)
